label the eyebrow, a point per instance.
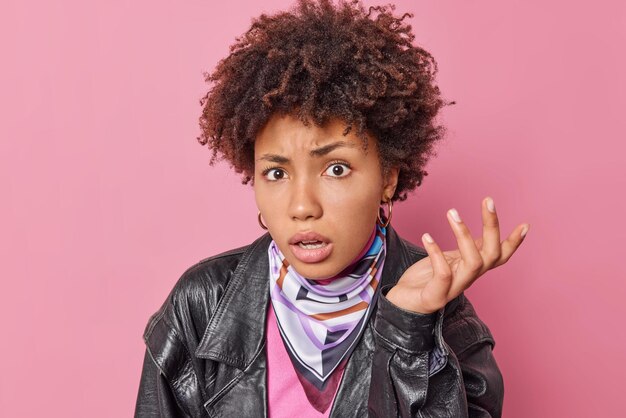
(317, 152)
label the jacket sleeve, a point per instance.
(169, 384)
(414, 372)
(173, 380)
(155, 397)
(472, 342)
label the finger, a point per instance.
(491, 249)
(435, 293)
(471, 260)
(512, 243)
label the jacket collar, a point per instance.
(236, 331)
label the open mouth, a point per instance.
(311, 251)
(312, 245)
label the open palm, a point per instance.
(433, 281)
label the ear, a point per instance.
(390, 182)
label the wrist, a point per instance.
(411, 331)
(405, 299)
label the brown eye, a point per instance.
(338, 170)
(275, 174)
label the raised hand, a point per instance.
(429, 284)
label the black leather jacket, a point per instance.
(205, 348)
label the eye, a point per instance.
(337, 169)
(274, 174)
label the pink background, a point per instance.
(108, 198)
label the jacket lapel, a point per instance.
(234, 338)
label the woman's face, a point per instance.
(312, 179)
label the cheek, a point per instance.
(258, 196)
(353, 213)
(263, 201)
(272, 203)
(262, 193)
(357, 198)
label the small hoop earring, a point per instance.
(380, 221)
(261, 222)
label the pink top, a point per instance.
(286, 397)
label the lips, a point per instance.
(310, 255)
(308, 236)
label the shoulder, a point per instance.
(208, 276)
(189, 304)
(173, 333)
(463, 328)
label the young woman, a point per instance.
(330, 113)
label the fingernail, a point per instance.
(428, 238)
(455, 215)
(491, 207)
(524, 230)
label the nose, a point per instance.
(304, 201)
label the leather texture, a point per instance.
(205, 348)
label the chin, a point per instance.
(315, 271)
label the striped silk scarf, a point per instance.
(320, 321)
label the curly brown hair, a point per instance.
(319, 61)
